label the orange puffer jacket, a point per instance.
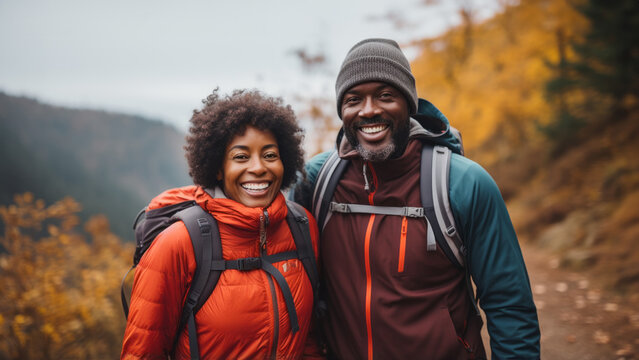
(245, 317)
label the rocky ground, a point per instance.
(578, 319)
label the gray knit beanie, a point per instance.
(376, 60)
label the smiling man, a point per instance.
(374, 116)
(392, 291)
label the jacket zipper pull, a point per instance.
(402, 245)
(263, 226)
(366, 186)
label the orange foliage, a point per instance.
(58, 298)
(491, 86)
(323, 125)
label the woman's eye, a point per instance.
(271, 156)
(240, 157)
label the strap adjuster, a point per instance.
(339, 207)
(204, 224)
(416, 212)
(191, 301)
(249, 263)
(451, 231)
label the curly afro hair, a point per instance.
(222, 118)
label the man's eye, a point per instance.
(351, 100)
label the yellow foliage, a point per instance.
(59, 298)
(490, 81)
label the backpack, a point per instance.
(207, 247)
(435, 210)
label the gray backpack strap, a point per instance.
(416, 212)
(431, 170)
(327, 179)
(444, 214)
(445, 218)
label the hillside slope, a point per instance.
(110, 163)
(573, 191)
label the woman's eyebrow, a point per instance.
(241, 147)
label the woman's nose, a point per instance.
(256, 166)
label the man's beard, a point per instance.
(376, 155)
(399, 140)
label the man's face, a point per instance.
(376, 120)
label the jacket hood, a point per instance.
(428, 124)
(223, 209)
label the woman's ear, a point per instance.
(219, 175)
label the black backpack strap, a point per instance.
(207, 247)
(266, 263)
(327, 180)
(300, 229)
(286, 292)
(125, 304)
(147, 226)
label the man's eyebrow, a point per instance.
(381, 86)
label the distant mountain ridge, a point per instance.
(110, 163)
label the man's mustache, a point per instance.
(374, 120)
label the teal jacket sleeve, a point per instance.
(495, 261)
(302, 191)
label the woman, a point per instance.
(241, 150)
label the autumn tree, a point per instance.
(317, 114)
(59, 293)
(601, 82)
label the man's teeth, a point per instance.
(255, 186)
(373, 129)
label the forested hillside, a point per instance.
(111, 164)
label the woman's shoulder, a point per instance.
(171, 248)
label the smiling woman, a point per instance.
(252, 170)
(222, 119)
(242, 149)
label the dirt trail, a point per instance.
(578, 320)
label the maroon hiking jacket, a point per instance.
(388, 297)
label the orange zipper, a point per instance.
(367, 262)
(402, 245)
(367, 246)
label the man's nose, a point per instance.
(369, 108)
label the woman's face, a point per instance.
(252, 169)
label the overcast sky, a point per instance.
(160, 58)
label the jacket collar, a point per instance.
(234, 213)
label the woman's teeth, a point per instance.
(255, 186)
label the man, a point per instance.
(389, 293)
